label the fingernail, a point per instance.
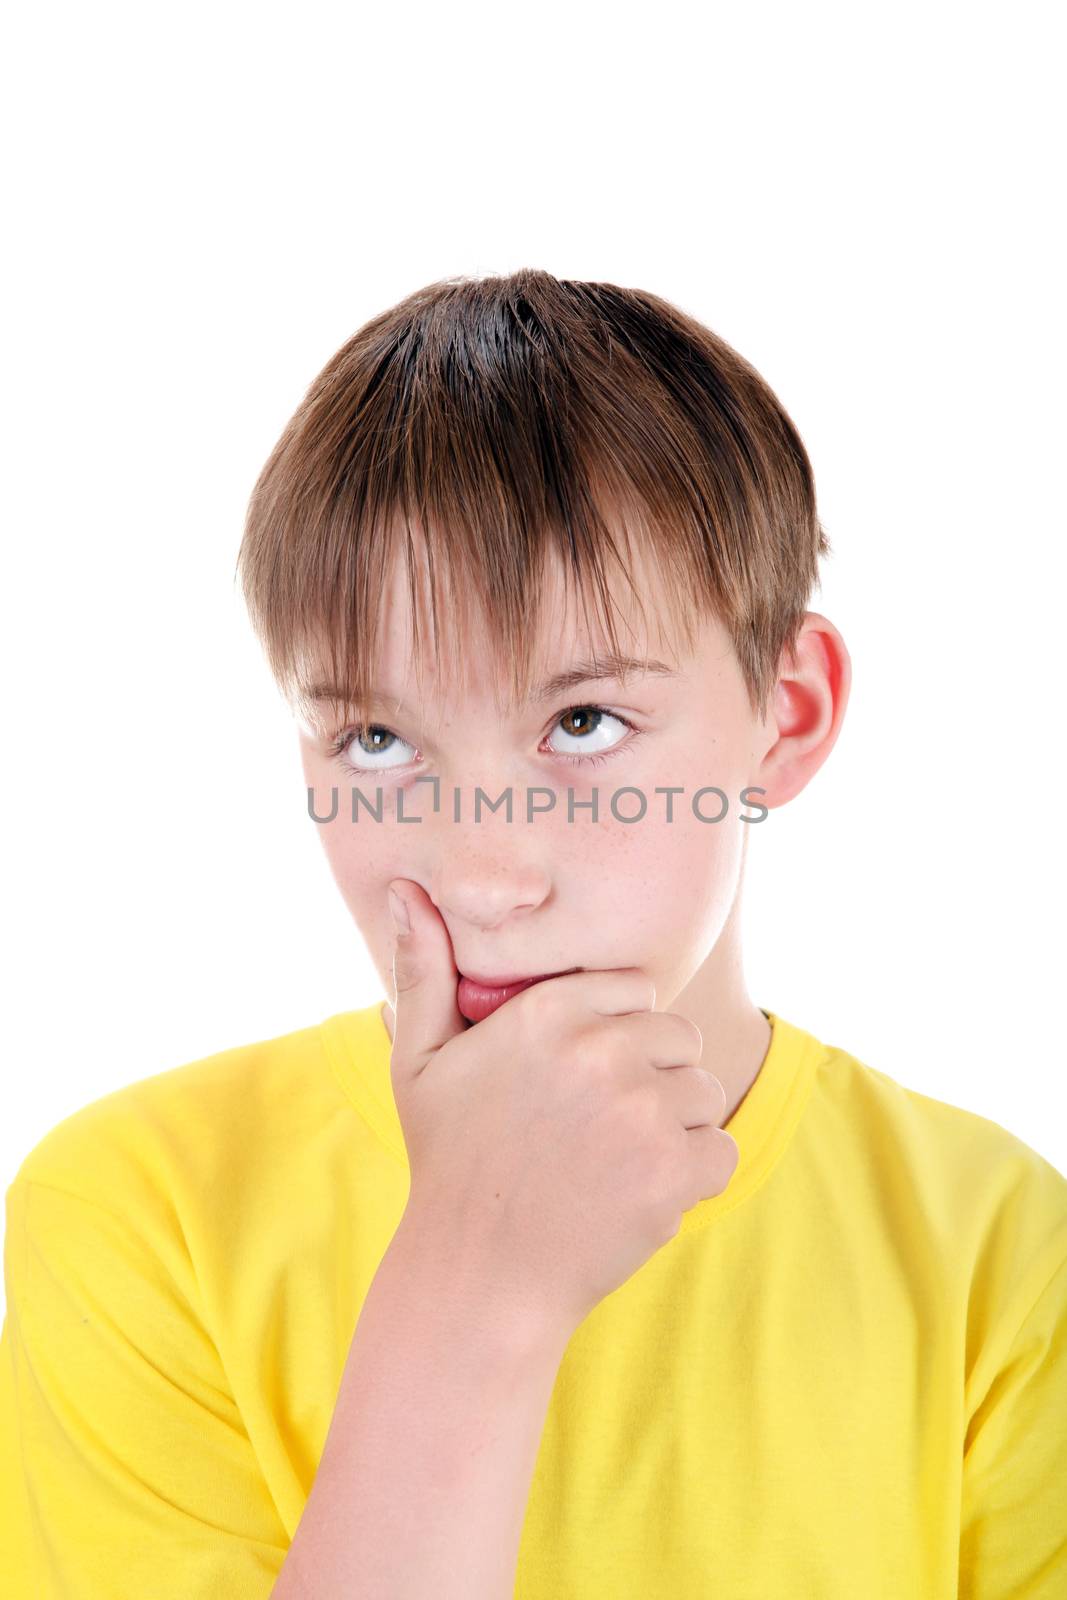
(399, 910)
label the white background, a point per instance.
(203, 204)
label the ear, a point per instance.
(806, 711)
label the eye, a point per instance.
(589, 741)
(370, 741)
(588, 738)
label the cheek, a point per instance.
(700, 862)
(673, 880)
(363, 856)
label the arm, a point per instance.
(422, 1486)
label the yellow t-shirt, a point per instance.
(845, 1377)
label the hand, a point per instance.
(555, 1146)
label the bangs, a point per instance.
(500, 443)
(482, 610)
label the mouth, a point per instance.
(478, 997)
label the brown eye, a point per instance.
(590, 732)
(584, 716)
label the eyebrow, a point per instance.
(606, 669)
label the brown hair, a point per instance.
(507, 418)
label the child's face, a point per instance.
(521, 898)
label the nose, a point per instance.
(483, 887)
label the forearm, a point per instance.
(425, 1474)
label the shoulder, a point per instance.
(982, 1200)
(187, 1127)
(957, 1149)
(966, 1144)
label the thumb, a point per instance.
(424, 978)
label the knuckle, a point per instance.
(601, 1047)
(722, 1165)
(667, 1210)
(405, 976)
(714, 1091)
(550, 999)
(645, 1112)
(678, 1038)
(521, 1015)
(533, 1010)
(695, 1035)
(664, 1169)
(730, 1150)
(589, 1051)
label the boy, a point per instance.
(605, 1282)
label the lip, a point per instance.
(521, 977)
(478, 998)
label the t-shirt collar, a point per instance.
(358, 1045)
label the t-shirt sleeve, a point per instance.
(1014, 1511)
(127, 1470)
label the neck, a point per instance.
(735, 1031)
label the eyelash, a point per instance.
(338, 745)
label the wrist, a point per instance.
(464, 1284)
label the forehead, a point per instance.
(464, 666)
